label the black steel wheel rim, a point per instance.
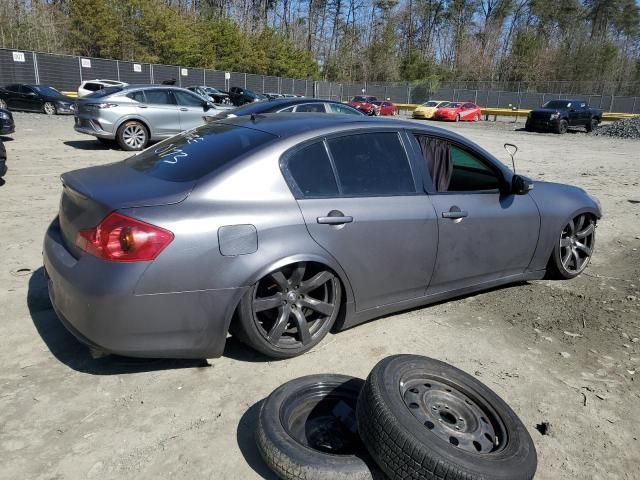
(454, 414)
(291, 305)
(322, 417)
(576, 243)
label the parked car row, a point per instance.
(448, 111)
(372, 106)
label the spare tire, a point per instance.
(307, 430)
(424, 419)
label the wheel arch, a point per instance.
(326, 261)
(130, 118)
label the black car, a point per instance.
(239, 96)
(3, 161)
(558, 115)
(216, 96)
(6, 122)
(35, 98)
(314, 105)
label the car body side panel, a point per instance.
(558, 204)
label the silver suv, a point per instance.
(138, 114)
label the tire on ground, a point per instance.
(279, 443)
(562, 126)
(405, 448)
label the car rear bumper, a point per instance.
(89, 126)
(96, 302)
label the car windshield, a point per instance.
(451, 105)
(210, 90)
(195, 153)
(359, 99)
(557, 104)
(430, 104)
(46, 90)
(105, 91)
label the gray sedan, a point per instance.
(280, 227)
(138, 114)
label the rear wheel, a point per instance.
(290, 310)
(592, 125)
(132, 135)
(457, 118)
(574, 248)
(562, 127)
(49, 108)
(476, 118)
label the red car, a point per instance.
(364, 103)
(458, 111)
(385, 108)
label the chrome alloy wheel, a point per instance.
(576, 243)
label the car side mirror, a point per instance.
(206, 106)
(520, 185)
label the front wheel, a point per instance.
(132, 135)
(573, 250)
(289, 311)
(49, 108)
(457, 119)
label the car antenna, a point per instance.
(511, 150)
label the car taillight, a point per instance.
(119, 238)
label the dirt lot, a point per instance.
(566, 353)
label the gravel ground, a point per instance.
(566, 353)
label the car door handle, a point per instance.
(142, 106)
(454, 214)
(338, 220)
(183, 109)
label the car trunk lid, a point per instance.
(90, 194)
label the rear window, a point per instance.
(195, 153)
(310, 167)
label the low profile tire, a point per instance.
(49, 108)
(457, 119)
(574, 248)
(3, 104)
(132, 135)
(592, 125)
(424, 419)
(307, 430)
(562, 127)
(476, 118)
(289, 311)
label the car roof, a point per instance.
(289, 124)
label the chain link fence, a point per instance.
(66, 72)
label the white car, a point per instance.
(90, 86)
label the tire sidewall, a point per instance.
(563, 125)
(3, 104)
(560, 270)
(317, 465)
(517, 456)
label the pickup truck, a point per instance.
(558, 115)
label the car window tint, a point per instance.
(469, 173)
(469, 105)
(198, 152)
(13, 88)
(138, 96)
(372, 164)
(92, 87)
(187, 99)
(290, 109)
(311, 107)
(337, 108)
(25, 89)
(159, 97)
(310, 168)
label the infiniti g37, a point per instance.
(282, 227)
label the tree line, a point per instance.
(347, 40)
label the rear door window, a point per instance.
(337, 108)
(372, 164)
(310, 169)
(198, 152)
(138, 96)
(159, 96)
